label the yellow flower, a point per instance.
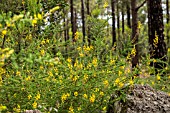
(29, 96)
(96, 90)
(121, 85)
(92, 98)
(139, 24)
(4, 32)
(39, 16)
(76, 93)
(158, 77)
(78, 48)
(71, 109)
(28, 78)
(153, 82)
(94, 62)
(76, 35)
(2, 107)
(105, 5)
(104, 108)
(154, 60)
(85, 96)
(117, 81)
(86, 77)
(133, 52)
(155, 40)
(34, 22)
(81, 54)
(18, 73)
(34, 105)
(168, 49)
(37, 96)
(106, 83)
(8, 24)
(79, 108)
(0, 25)
(42, 52)
(69, 60)
(131, 82)
(120, 73)
(101, 93)
(64, 97)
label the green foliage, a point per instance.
(44, 72)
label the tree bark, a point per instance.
(72, 19)
(113, 23)
(167, 21)
(128, 15)
(118, 20)
(123, 27)
(88, 27)
(156, 37)
(83, 20)
(135, 33)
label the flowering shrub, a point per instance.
(40, 72)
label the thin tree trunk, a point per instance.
(135, 33)
(156, 37)
(123, 27)
(113, 23)
(118, 20)
(128, 15)
(167, 21)
(83, 20)
(72, 19)
(88, 27)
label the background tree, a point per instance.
(83, 20)
(113, 23)
(156, 37)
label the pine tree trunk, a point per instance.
(128, 15)
(156, 37)
(123, 27)
(88, 28)
(72, 19)
(83, 20)
(167, 21)
(118, 20)
(135, 33)
(113, 23)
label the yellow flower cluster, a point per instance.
(92, 98)
(105, 4)
(155, 41)
(71, 109)
(2, 108)
(64, 97)
(76, 35)
(95, 62)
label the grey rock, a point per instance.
(141, 99)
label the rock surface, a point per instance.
(142, 99)
(32, 111)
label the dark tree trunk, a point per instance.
(118, 20)
(167, 21)
(128, 14)
(135, 33)
(88, 27)
(65, 28)
(123, 27)
(113, 23)
(83, 20)
(75, 20)
(156, 38)
(72, 19)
